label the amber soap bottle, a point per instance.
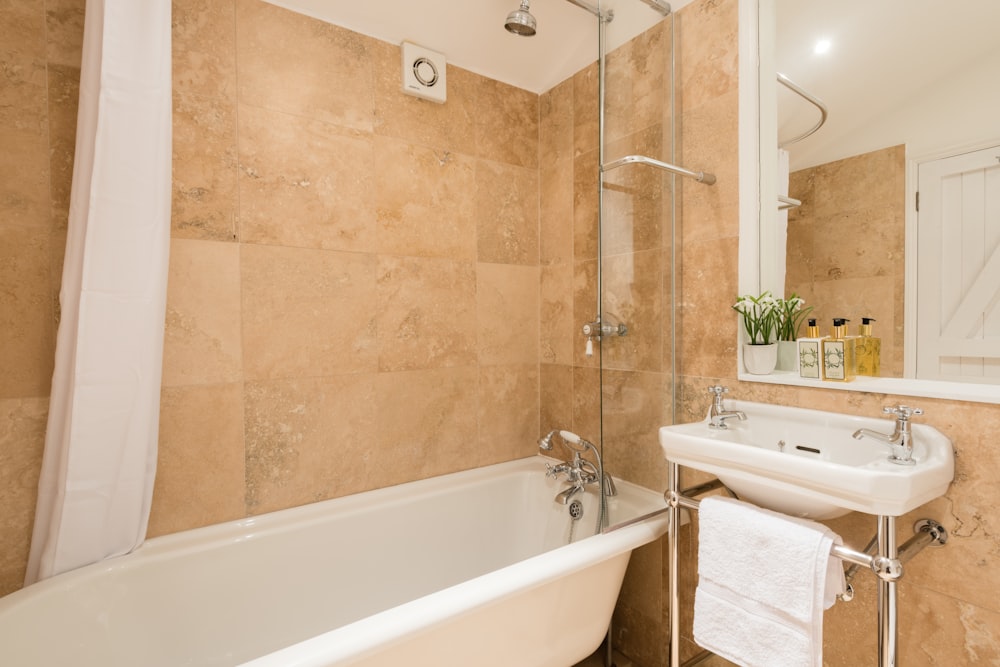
(868, 349)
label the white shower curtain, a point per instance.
(100, 447)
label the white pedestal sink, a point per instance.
(806, 462)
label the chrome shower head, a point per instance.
(545, 443)
(520, 21)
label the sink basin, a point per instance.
(805, 462)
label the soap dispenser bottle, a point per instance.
(868, 349)
(839, 360)
(810, 359)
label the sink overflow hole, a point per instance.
(811, 450)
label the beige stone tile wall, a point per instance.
(846, 245)
(353, 293)
(40, 61)
(352, 268)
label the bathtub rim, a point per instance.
(368, 634)
(363, 637)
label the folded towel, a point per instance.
(764, 579)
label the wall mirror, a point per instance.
(910, 92)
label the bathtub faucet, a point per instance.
(579, 472)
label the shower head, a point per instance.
(545, 443)
(520, 21)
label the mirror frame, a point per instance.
(756, 175)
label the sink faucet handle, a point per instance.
(718, 390)
(902, 412)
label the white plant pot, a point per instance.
(760, 359)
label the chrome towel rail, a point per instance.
(885, 568)
(700, 176)
(886, 563)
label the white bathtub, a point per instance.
(465, 569)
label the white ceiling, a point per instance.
(471, 35)
(893, 69)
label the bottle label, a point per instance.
(834, 360)
(809, 359)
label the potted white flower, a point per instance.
(791, 312)
(760, 323)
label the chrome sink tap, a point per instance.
(717, 414)
(901, 439)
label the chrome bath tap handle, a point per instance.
(901, 412)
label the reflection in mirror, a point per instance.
(907, 84)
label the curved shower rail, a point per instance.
(700, 176)
(809, 97)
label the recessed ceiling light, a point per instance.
(822, 46)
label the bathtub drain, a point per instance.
(575, 512)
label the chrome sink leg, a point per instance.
(888, 620)
(673, 557)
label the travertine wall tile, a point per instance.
(199, 474)
(63, 96)
(304, 182)
(426, 313)
(427, 422)
(506, 309)
(64, 31)
(508, 412)
(27, 333)
(507, 126)
(555, 234)
(424, 201)
(22, 23)
(22, 438)
(307, 313)
(556, 397)
(585, 111)
(506, 213)
(204, 48)
(710, 134)
(555, 124)
(584, 311)
(24, 134)
(632, 407)
(631, 296)
(204, 204)
(558, 332)
(586, 199)
(635, 90)
(296, 64)
(308, 439)
(202, 338)
(707, 46)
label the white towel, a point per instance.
(764, 580)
